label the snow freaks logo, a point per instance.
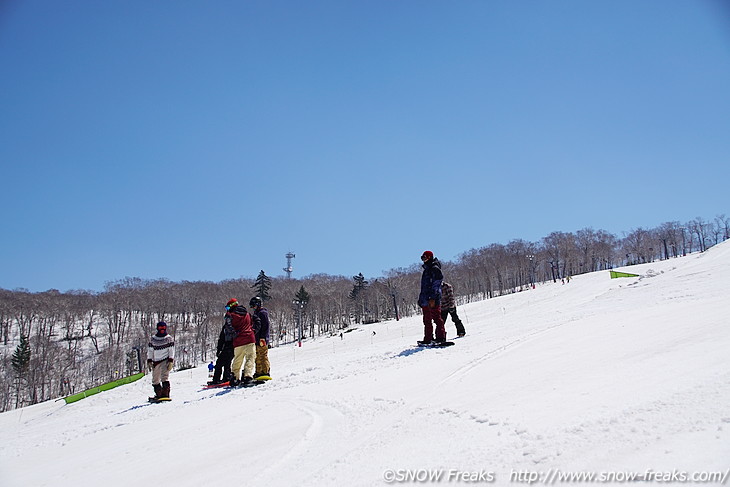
(435, 476)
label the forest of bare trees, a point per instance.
(53, 344)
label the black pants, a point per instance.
(223, 364)
(455, 318)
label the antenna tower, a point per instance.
(288, 269)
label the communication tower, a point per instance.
(288, 269)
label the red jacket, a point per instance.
(241, 322)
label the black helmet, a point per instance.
(255, 302)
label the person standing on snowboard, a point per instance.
(224, 353)
(430, 298)
(448, 306)
(261, 328)
(244, 345)
(160, 359)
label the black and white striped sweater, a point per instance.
(161, 348)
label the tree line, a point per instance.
(53, 344)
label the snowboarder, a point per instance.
(244, 344)
(448, 307)
(261, 326)
(430, 298)
(224, 353)
(160, 359)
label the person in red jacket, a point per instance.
(244, 344)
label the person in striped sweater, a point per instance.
(448, 307)
(160, 359)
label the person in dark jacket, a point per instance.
(244, 343)
(261, 328)
(430, 298)
(224, 352)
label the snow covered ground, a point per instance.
(604, 377)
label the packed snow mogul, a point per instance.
(448, 307)
(160, 359)
(261, 328)
(430, 299)
(244, 344)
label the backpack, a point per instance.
(228, 331)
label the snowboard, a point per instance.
(215, 386)
(263, 377)
(435, 344)
(158, 400)
(253, 383)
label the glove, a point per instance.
(170, 362)
(149, 365)
(431, 303)
(262, 342)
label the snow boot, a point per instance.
(460, 331)
(158, 391)
(165, 389)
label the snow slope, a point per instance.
(598, 375)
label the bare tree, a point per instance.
(718, 229)
(700, 229)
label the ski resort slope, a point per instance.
(600, 376)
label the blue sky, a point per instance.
(196, 140)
